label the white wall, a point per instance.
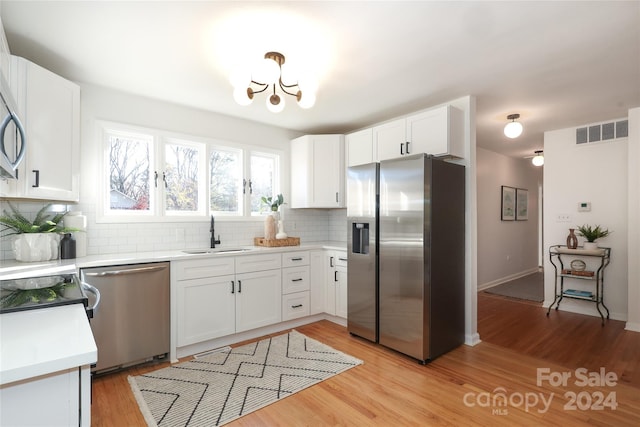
(506, 249)
(633, 318)
(596, 173)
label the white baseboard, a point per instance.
(472, 340)
(506, 279)
(632, 326)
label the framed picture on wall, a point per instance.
(508, 206)
(522, 204)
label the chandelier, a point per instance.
(272, 77)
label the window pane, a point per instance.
(181, 178)
(129, 172)
(226, 181)
(263, 172)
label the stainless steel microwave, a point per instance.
(13, 142)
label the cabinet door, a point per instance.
(50, 107)
(258, 299)
(341, 284)
(317, 171)
(331, 279)
(47, 400)
(438, 132)
(206, 309)
(389, 140)
(317, 281)
(359, 147)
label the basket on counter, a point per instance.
(289, 241)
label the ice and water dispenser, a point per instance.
(360, 236)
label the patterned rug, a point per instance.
(221, 387)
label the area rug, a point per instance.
(530, 287)
(225, 385)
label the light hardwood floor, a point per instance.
(392, 389)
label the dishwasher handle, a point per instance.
(94, 291)
(126, 271)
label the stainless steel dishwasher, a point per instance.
(132, 323)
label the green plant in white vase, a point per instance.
(35, 240)
(591, 234)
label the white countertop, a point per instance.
(16, 269)
(43, 341)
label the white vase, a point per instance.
(30, 247)
(590, 246)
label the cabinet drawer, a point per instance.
(293, 259)
(341, 259)
(206, 267)
(295, 279)
(295, 305)
(248, 263)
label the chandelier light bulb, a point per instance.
(275, 103)
(241, 95)
(513, 129)
(538, 159)
(306, 99)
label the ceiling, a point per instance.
(557, 64)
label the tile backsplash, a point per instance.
(311, 225)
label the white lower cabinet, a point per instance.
(336, 283)
(206, 309)
(210, 305)
(317, 281)
(295, 285)
(222, 296)
(258, 299)
(58, 399)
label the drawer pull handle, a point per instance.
(296, 259)
(296, 280)
(296, 306)
(342, 259)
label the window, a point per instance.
(154, 175)
(225, 181)
(130, 157)
(182, 176)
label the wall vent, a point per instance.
(602, 132)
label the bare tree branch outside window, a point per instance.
(129, 164)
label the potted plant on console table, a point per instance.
(35, 240)
(592, 234)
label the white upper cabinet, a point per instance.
(317, 171)
(5, 58)
(360, 147)
(49, 107)
(439, 132)
(390, 139)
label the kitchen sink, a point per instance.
(216, 251)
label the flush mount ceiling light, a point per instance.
(513, 129)
(538, 159)
(273, 77)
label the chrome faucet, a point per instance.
(214, 242)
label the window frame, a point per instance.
(158, 212)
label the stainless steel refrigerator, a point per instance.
(362, 250)
(419, 289)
